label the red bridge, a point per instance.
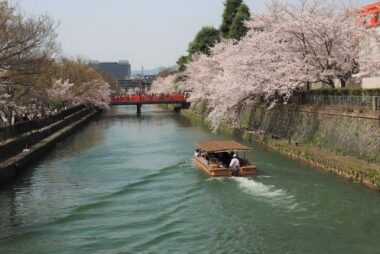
(140, 99)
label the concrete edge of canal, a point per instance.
(15, 165)
(345, 166)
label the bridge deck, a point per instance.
(148, 99)
(146, 102)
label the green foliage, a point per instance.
(238, 29)
(204, 40)
(374, 176)
(182, 61)
(231, 8)
(345, 91)
(235, 13)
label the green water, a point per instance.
(125, 184)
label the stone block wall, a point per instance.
(351, 134)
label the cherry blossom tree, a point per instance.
(61, 91)
(285, 50)
(95, 93)
(26, 45)
(164, 84)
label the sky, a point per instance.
(149, 33)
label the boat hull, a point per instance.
(214, 171)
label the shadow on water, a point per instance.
(142, 117)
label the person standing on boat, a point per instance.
(235, 165)
(197, 153)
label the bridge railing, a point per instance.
(149, 98)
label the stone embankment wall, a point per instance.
(26, 145)
(18, 129)
(352, 133)
(343, 141)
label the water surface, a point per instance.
(126, 184)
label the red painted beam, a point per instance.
(146, 99)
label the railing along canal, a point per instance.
(367, 102)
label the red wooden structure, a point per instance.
(141, 99)
(148, 99)
(372, 11)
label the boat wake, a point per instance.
(259, 189)
(186, 164)
(267, 192)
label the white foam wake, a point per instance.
(259, 189)
(267, 193)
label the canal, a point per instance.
(126, 184)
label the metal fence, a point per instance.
(367, 102)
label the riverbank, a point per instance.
(20, 152)
(302, 136)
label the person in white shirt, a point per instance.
(235, 165)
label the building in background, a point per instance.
(119, 70)
(139, 81)
(370, 45)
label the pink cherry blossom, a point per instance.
(61, 91)
(164, 84)
(286, 49)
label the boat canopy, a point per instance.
(219, 146)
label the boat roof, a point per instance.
(221, 146)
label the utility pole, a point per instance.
(141, 78)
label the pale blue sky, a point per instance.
(148, 33)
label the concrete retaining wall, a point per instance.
(14, 159)
(15, 145)
(27, 126)
(355, 133)
(352, 133)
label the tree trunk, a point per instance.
(343, 83)
(8, 115)
(329, 82)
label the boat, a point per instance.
(214, 156)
